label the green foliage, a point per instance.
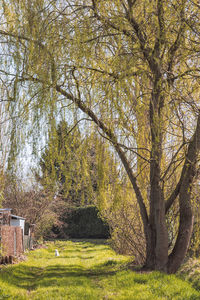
(61, 164)
(85, 222)
(121, 212)
(87, 270)
(70, 165)
(78, 170)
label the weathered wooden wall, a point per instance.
(11, 240)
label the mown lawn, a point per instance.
(86, 270)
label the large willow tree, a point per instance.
(133, 68)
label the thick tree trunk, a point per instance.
(157, 243)
(183, 240)
(150, 262)
(186, 223)
(161, 238)
(186, 213)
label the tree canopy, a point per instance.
(132, 69)
(75, 167)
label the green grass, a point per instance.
(191, 272)
(86, 270)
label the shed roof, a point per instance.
(17, 217)
(12, 216)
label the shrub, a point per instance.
(85, 222)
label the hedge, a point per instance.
(85, 222)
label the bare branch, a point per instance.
(172, 161)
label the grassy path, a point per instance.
(85, 270)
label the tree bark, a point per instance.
(157, 245)
(158, 230)
(186, 212)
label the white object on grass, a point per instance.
(57, 253)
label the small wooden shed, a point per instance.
(6, 218)
(17, 222)
(11, 234)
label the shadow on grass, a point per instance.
(30, 277)
(22, 276)
(90, 241)
(33, 277)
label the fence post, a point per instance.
(15, 243)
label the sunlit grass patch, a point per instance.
(86, 270)
(155, 285)
(191, 272)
